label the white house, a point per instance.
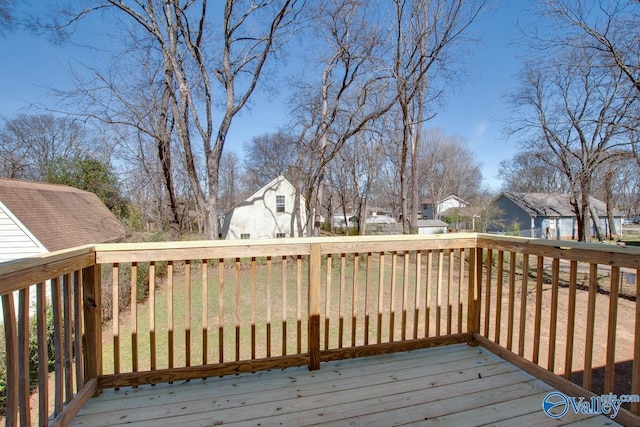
(433, 209)
(271, 212)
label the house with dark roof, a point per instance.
(544, 215)
(37, 218)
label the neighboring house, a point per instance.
(431, 208)
(37, 218)
(271, 212)
(544, 215)
(431, 226)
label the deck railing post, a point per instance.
(92, 308)
(314, 306)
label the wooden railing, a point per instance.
(188, 310)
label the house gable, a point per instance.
(270, 212)
(16, 241)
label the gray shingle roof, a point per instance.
(550, 205)
(60, 216)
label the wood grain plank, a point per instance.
(538, 310)
(43, 355)
(498, 320)
(133, 319)
(23, 357)
(511, 304)
(635, 376)
(56, 304)
(571, 316)
(590, 327)
(553, 314)
(523, 304)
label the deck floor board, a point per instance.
(450, 385)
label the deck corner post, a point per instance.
(314, 306)
(92, 310)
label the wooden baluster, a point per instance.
(77, 326)
(205, 310)
(367, 297)
(343, 268)
(67, 336)
(221, 309)
(450, 291)
(313, 301)
(538, 310)
(133, 319)
(115, 316)
(392, 302)
(327, 302)
(417, 299)
(284, 305)
(635, 377)
(380, 297)
(498, 321)
(475, 291)
(427, 296)
(405, 292)
(555, 271)
(609, 369)
(299, 303)
(487, 303)
(354, 298)
(571, 317)
(523, 304)
(152, 315)
(511, 308)
(237, 309)
(253, 307)
(268, 307)
(56, 303)
(23, 357)
(187, 314)
(460, 282)
(439, 293)
(12, 359)
(591, 316)
(43, 356)
(170, 326)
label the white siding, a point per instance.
(15, 240)
(258, 217)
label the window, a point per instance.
(280, 204)
(281, 235)
(245, 236)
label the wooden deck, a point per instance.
(451, 385)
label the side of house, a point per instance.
(543, 215)
(274, 211)
(431, 209)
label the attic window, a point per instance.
(245, 236)
(280, 204)
(281, 235)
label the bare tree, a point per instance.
(352, 91)
(577, 112)
(447, 166)
(29, 144)
(231, 192)
(6, 15)
(267, 156)
(192, 65)
(532, 172)
(424, 34)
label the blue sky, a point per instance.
(475, 109)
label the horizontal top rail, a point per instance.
(18, 274)
(596, 253)
(177, 251)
